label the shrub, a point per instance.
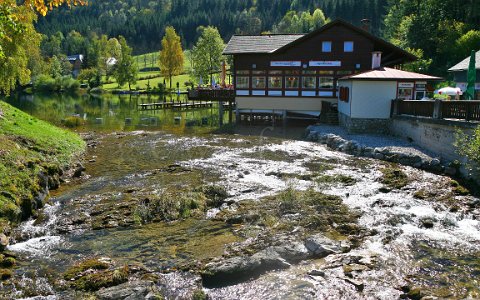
(469, 146)
(73, 121)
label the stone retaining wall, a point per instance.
(358, 125)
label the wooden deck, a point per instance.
(175, 105)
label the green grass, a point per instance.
(142, 84)
(28, 147)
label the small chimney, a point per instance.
(366, 24)
(376, 60)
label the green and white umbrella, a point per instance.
(472, 78)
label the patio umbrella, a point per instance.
(200, 82)
(472, 78)
(449, 91)
(223, 75)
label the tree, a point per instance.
(16, 42)
(207, 52)
(171, 56)
(125, 70)
(18, 38)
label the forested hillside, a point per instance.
(441, 32)
(143, 22)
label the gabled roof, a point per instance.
(240, 44)
(389, 74)
(73, 58)
(463, 65)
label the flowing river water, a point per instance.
(419, 240)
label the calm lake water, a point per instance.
(109, 113)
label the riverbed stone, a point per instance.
(320, 246)
(132, 290)
(3, 242)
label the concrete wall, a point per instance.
(282, 103)
(372, 99)
(435, 135)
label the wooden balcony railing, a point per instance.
(438, 109)
(211, 95)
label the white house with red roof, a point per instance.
(365, 99)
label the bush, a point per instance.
(469, 146)
(45, 83)
(73, 121)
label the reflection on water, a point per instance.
(119, 112)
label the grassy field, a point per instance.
(150, 60)
(28, 148)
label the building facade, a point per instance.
(460, 71)
(365, 99)
(299, 73)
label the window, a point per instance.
(343, 73)
(309, 72)
(325, 72)
(275, 72)
(258, 82)
(292, 82)
(348, 46)
(326, 46)
(258, 72)
(275, 82)
(242, 82)
(309, 82)
(292, 72)
(243, 72)
(326, 82)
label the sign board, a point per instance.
(314, 63)
(285, 63)
(405, 84)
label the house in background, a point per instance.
(460, 74)
(365, 99)
(76, 61)
(293, 74)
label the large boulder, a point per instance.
(132, 290)
(238, 269)
(320, 246)
(3, 242)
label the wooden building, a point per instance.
(296, 73)
(460, 71)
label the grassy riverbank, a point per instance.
(33, 154)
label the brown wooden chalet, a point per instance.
(296, 72)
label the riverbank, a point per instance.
(34, 158)
(233, 216)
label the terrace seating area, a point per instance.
(468, 110)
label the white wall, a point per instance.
(344, 107)
(372, 99)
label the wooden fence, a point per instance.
(438, 109)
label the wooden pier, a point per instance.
(175, 105)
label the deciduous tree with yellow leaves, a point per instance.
(171, 55)
(18, 37)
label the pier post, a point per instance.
(220, 112)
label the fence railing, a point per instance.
(212, 95)
(438, 109)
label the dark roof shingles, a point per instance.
(240, 44)
(463, 65)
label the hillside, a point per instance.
(33, 154)
(142, 22)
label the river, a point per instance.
(420, 239)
